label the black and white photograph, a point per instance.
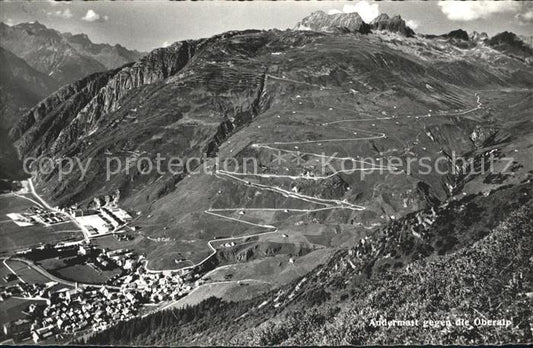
(266, 173)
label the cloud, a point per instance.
(9, 22)
(92, 16)
(66, 13)
(525, 17)
(334, 11)
(412, 24)
(58, 2)
(472, 10)
(366, 10)
(166, 44)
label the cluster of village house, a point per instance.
(66, 310)
(104, 220)
(22, 289)
(36, 215)
(60, 309)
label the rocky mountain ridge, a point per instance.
(321, 21)
(352, 22)
(511, 44)
(475, 36)
(393, 24)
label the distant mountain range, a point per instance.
(512, 44)
(51, 58)
(506, 42)
(65, 57)
(21, 86)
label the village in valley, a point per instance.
(39, 300)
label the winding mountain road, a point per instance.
(47, 206)
(326, 204)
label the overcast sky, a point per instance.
(145, 25)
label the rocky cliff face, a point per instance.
(395, 24)
(321, 21)
(478, 37)
(38, 128)
(75, 109)
(63, 57)
(157, 66)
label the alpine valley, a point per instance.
(325, 233)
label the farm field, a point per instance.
(12, 308)
(110, 242)
(4, 271)
(28, 274)
(78, 273)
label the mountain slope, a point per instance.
(254, 94)
(21, 87)
(63, 57)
